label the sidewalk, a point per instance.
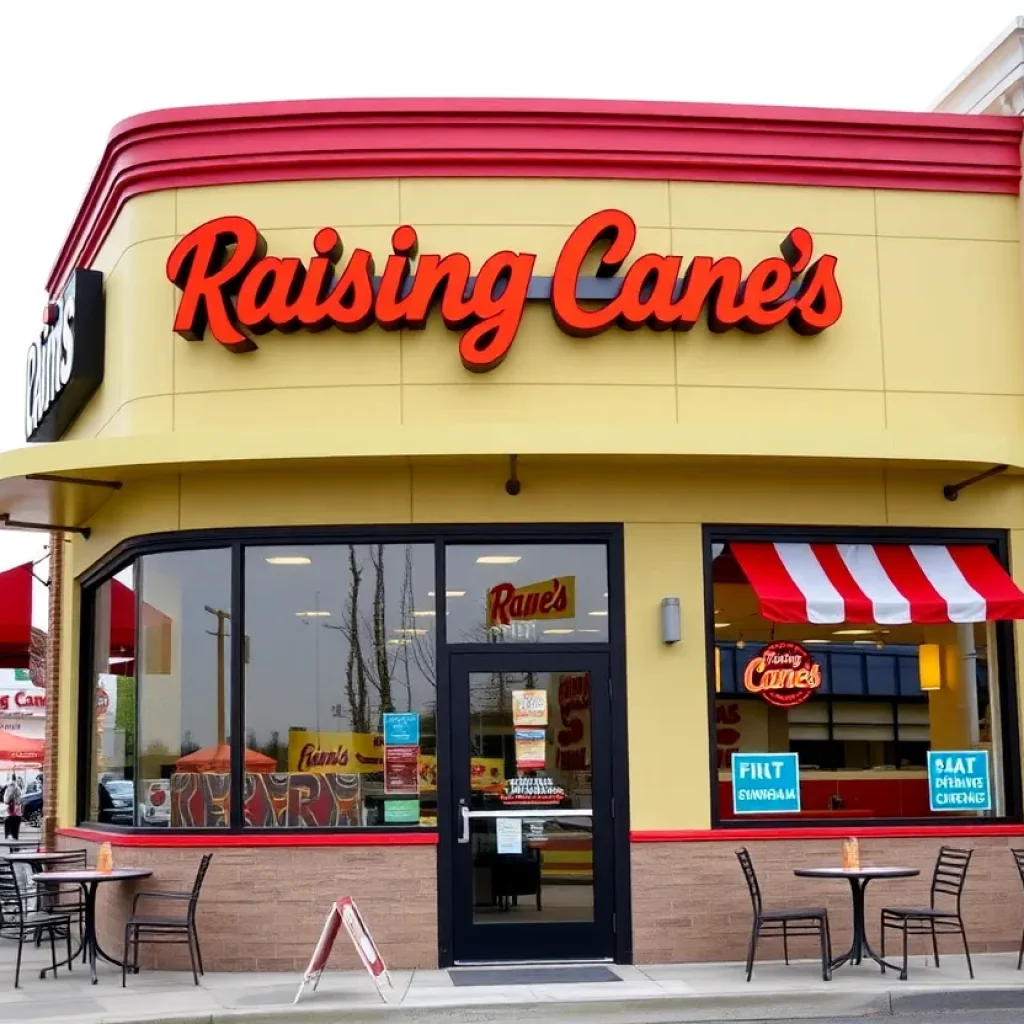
(660, 995)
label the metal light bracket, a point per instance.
(952, 491)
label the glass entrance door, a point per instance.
(532, 800)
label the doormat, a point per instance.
(532, 976)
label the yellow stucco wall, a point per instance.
(929, 347)
(930, 333)
(662, 504)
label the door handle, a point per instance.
(464, 827)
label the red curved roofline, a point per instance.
(372, 138)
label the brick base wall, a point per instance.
(262, 909)
(690, 902)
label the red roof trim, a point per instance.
(748, 835)
(302, 141)
(207, 840)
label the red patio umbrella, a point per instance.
(218, 760)
(15, 749)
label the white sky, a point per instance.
(69, 71)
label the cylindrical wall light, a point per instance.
(671, 626)
(929, 666)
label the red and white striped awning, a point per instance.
(889, 584)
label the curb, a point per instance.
(670, 1009)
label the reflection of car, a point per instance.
(32, 808)
(117, 802)
(156, 804)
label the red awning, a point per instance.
(889, 584)
(16, 616)
(15, 749)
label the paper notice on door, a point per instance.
(510, 835)
(529, 707)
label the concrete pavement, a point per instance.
(657, 994)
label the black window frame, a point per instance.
(997, 541)
(237, 540)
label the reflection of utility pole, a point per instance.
(220, 634)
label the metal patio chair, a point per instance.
(24, 921)
(1018, 857)
(784, 922)
(948, 881)
(170, 930)
(64, 899)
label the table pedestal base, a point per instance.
(860, 947)
(91, 950)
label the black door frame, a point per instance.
(545, 941)
(610, 535)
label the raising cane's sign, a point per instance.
(784, 674)
(549, 599)
(232, 288)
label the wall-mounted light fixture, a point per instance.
(929, 666)
(718, 669)
(671, 625)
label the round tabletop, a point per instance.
(83, 877)
(865, 873)
(33, 857)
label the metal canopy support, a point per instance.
(56, 478)
(16, 524)
(952, 491)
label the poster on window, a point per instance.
(402, 770)
(529, 708)
(531, 749)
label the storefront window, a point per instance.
(536, 593)
(861, 690)
(306, 698)
(184, 690)
(111, 719)
(337, 638)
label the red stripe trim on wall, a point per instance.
(750, 835)
(309, 140)
(208, 840)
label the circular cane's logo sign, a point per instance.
(784, 674)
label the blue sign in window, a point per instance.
(401, 730)
(959, 780)
(765, 783)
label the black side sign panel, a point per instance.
(65, 365)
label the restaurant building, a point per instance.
(451, 490)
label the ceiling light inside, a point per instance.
(559, 632)
(498, 559)
(313, 615)
(288, 560)
(448, 593)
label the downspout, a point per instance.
(53, 687)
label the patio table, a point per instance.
(858, 879)
(89, 879)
